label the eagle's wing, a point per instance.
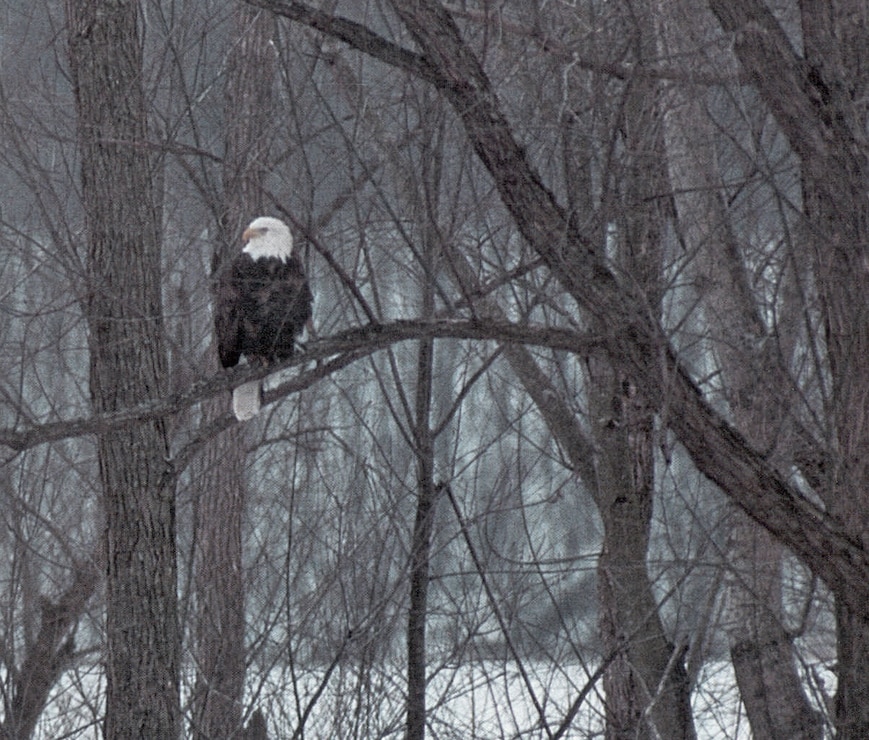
(227, 318)
(300, 298)
(286, 303)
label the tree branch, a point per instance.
(718, 450)
(353, 34)
(799, 99)
(51, 651)
(350, 345)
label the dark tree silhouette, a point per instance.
(128, 367)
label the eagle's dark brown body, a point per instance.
(262, 306)
(262, 303)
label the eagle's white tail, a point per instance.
(246, 400)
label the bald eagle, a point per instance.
(262, 303)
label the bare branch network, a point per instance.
(625, 447)
(328, 354)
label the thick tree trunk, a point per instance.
(220, 590)
(128, 367)
(754, 371)
(812, 99)
(844, 283)
(852, 696)
(647, 687)
(760, 649)
(216, 706)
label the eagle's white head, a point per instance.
(268, 237)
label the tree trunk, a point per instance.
(420, 549)
(128, 367)
(837, 216)
(852, 695)
(423, 438)
(220, 590)
(812, 99)
(761, 650)
(48, 654)
(844, 284)
(216, 705)
(754, 369)
(647, 686)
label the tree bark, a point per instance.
(48, 654)
(837, 214)
(761, 650)
(754, 370)
(423, 438)
(128, 368)
(420, 557)
(812, 98)
(217, 705)
(647, 686)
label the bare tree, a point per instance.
(128, 367)
(755, 372)
(800, 101)
(648, 690)
(48, 655)
(813, 100)
(609, 254)
(221, 634)
(423, 437)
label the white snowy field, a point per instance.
(484, 701)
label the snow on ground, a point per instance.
(485, 701)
